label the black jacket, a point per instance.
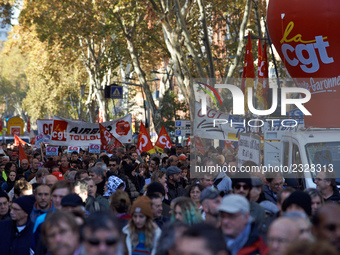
(13, 242)
(174, 191)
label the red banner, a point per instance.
(262, 74)
(248, 75)
(22, 154)
(144, 141)
(163, 141)
(108, 141)
(305, 34)
(18, 140)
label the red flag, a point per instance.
(108, 140)
(248, 75)
(262, 85)
(100, 117)
(144, 141)
(18, 140)
(199, 145)
(28, 125)
(189, 142)
(163, 141)
(229, 144)
(22, 154)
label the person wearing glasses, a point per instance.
(16, 233)
(101, 235)
(273, 186)
(113, 166)
(242, 185)
(326, 185)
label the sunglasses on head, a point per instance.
(108, 242)
(244, 186)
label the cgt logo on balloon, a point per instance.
(309, 62)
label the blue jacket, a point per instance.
(37, 212)
(13, 242)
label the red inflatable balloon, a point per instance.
(306, 35)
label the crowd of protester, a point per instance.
(125, 203)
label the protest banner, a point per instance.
(249, 148)
(67, 132)
(108, 141)
(71, 149)
(94, 148)
(51, 151)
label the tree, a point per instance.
(13, 82)
(77, 28)
(52, 78)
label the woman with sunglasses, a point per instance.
(141, 233)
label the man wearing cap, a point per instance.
(240, 233)
(210, 199)
(182, 160)
(73, 203)
(175, 188)
(242, 185)
(4, 205)
(16, 233)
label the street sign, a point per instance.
(184, 124)
(182, 132)
(116, 92)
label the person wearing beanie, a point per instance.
(16, 234)
(242, 185)
(298, 201)
(141, 233)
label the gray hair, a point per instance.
(101, 165)
(98, 171)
